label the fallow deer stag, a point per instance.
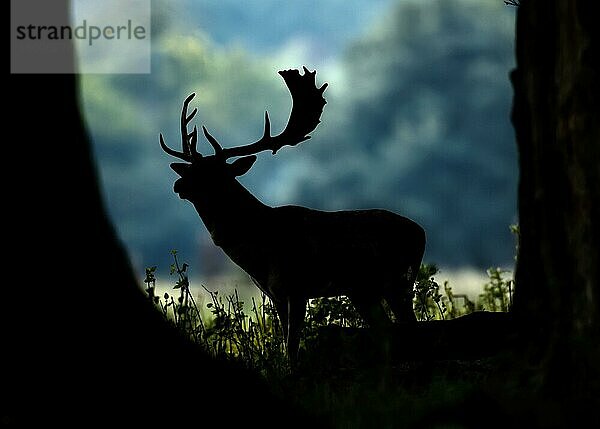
(295, 253)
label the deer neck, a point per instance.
(231, 216)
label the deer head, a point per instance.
(210, 174)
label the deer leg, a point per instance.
(296, 314)
(291, 315)
(371, 310)
(401, 303)
(282, 311)
(399, 296)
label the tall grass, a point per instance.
(252, 334)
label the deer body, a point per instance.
(318, 253)
(294, 253)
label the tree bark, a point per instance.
(85, 345)
(557, 123)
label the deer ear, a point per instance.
(241, 165)
(180, 167)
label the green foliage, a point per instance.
(252, 334)
(229, 332)
(431, 304)
(182, 310)
(337, 310)
(453, 307)
(497, 293)
(428, 304)
(255, 339)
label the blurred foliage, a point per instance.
(417, 119)
(497, 293)
(125, 114)
(425, 130)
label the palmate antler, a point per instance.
(307, 107)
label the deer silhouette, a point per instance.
(295, 253)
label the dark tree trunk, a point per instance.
(84, 344)
(557, 122)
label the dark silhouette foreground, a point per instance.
(81, 343)
(294, 253)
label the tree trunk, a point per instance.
(85, 345)
(556, 118)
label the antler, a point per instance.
(188, 141)
(307, 107)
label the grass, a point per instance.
(231, 329)
(429, 391)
